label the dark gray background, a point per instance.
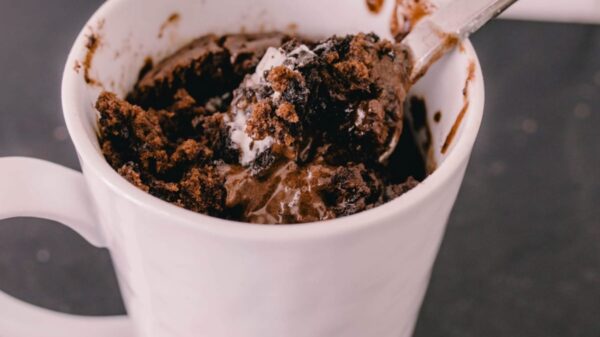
(521, 255)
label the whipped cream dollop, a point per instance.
(241, 108)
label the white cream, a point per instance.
(302, 55)
(274, 57)
(249, 148)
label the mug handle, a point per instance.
(36, 188)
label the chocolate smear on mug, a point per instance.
(463, 111)
(375, 6)
(92, 44)
(406, 14)
(77, 66)
(422, 132)
(171, 20)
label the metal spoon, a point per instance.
(438, 33)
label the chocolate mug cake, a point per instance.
(267, 128)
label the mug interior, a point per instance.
(120, 37)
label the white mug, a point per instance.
(186, 274)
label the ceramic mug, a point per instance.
(187, 274)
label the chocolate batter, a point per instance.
(268, 129)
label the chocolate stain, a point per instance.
(375, 6)
(92, 45)
(463, 111)
(406, 14)
(172, 19)
(77, 66)
(449, 41)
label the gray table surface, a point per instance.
(521, 256)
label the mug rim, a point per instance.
(97, 164)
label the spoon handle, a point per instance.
(438, 33)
